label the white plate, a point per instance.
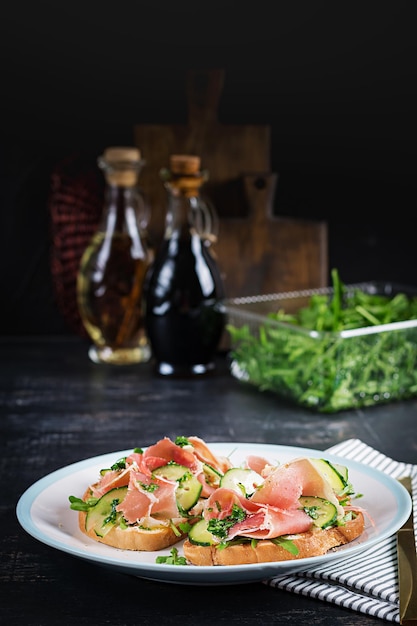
(44, 512)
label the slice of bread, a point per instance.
(134, 537)
(156, 537)
(311, 543)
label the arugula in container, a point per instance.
(348, 347)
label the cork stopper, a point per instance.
(121, 154)
(121, 165)
(184, 164)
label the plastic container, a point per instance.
(326, 372)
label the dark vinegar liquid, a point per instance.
(185, 316)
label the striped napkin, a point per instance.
(357, 587)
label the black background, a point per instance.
(335, 81)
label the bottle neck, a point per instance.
(120, 207)
(183, 211)
(122, 215)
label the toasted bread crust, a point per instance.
(312, 543)
(133, 537)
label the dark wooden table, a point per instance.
(57, 408)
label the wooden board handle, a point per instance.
(259, 190)
(204, 88)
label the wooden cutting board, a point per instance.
(257, 252)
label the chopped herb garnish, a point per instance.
(220, 527)
(150, 488)
(138, 450)
(111, 518)
(182, 441)
(186, 476)
(312, 511)
(120, 464)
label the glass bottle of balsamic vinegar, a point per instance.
(184, 292)
(113, 267)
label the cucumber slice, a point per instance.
(243, 481)
(171, 471)
(189, 487)
(332, 473)
(343, 471)
(103, 516)
(212, 475)
(199, 535)
(188, 493)
(322, 512)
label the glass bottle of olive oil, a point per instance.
(113, 266)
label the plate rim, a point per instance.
(227, 574)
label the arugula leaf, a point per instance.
(77, 504)
(329, 372)
(287, 544)
(173, 559)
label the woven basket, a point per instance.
(75, 205)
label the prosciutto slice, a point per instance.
(110, 480)
(170, 451)
(145, 462)
(261, 522)
(161, 453)
(273, 509)
(259, 464)
(204, 454)
(146, 497)
(283, 487)
(269, 523)
(221, 502)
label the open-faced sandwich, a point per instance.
(266, 513)
(258, 512)
(149, 499)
